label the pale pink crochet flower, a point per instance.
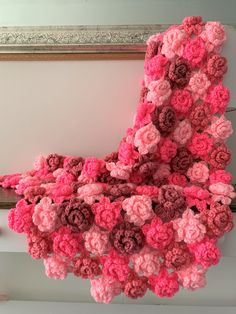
(155, 67)
(45, 215)
(192, 278)
(222, 192)
(189, 228)
(220, 128)
(183, 132)
(218, 96)
(220, 176)
(66, 243)
(215, 33)
(195, 51)
(147, 138)
(164, 284)
(92, 167)
(56, 266)
(119, 170)
(127, 154)
(104, 289)
(115, 266)
(138, 209)
(20, 218)
(96, 241)
(201, 144)
(146, 262)
(173, 41)
(206, 253)
(91, 192)
(181, 100)
(106, 213)
(198, 85)
(159, 92)
(168, 150)
(199, 172)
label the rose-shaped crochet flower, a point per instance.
(183, 132)
(220, 128)
(197, 197)
(216, 67)
(91, 192)
(219, 219)
(158, 235)
(181, 100)
(45, 215)
(56, 266)
(147, 138)
(119, 170)
(127, 154)
(219, 157)
(218, 97)
(199, 172)
(192, 278)
(115, 267)
(164, 284)
(53, 162)
(195, 51)
(168, 150)
(193, 25)
(177, 179)
(73, 165)
(20, 218)
(66, 243)
(127, 238)
(34, 194)
(38, 244)
(222, 192)
(159, 92)
(215, 33)
(199, 116)
(146, 262)
(201, 144)
(135, 288)
(198, 85)
(182, 161)
(86, 267)
(104, 289)
(189, 228)
(178, 257)
(220, 176)
(92, 167)
(173, 43)
(164, 119)
(138, 209)
(143, 115)
(76, 215)
(106, 213)
(154, 68)
(96, 241)
(179, 72)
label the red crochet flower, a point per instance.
(178, 257)
(199, 116)
(164, 284)
(179, 72)
(200, 145)
(216, 67)
(86, 267)
(164, 119)
(38, 244)
(220, 157)
(136, 287)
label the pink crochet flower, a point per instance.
(116, 267)
(199, 172)
(195, 51)
(106, 213)
(168, 150)
(147, 138)
(158, 235)
(220, 176)
(34, 194)
(56, 266)
(173, 41)
(135, 287)
(119, 170)
(86, 267)
(143, 115)
(96, 241)
(10, 181)
(198, 85)
(222, 192)
(201, 145)
(206, 253)
(183, 132)
(20, 218)
(104, 289)
(181, 100)
(138, 209)
(92, 167)
(178, 257)
(216, 67)
(66, 243)
(127, 154)
(45, 215)
(164, 284)
(199, 116)
(220, 128)
(215, 33)
(146, 262)
(40, 163)
(73, 165)
(189, 228)
(63, 177)
(198, 197)
(159, 92)
(154, 68)
(218, 97)
(176, 178)
(38, 244)
(91, 192)
(193, 25)
(192, 278)
(149, 190)
(219, 157)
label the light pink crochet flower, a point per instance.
(173, 41)
(189, 228)
(20, 218)
(164, 284)
(96, 241)
(199, 172)
(106, 213)
(91, 192)
(138, 209)
(147, 138)
(56, 266)
(159, 92)
(181, 100)
(45, 215)
(168, 150)
(183, 132)
(201, 144)
(206, 253)
(220, 128)
(146, 262)
(192, 278)
(195, 51)
(222, 192)
(218, 96)
(119, 170)
(220, 176)
(198, 85)
(215, 33)
(104, 289)
(116, 267)
(127, 154)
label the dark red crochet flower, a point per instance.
(182, 161)
(136, 287)
(74, 165)
(179, 72)
(76, 214)
(178, 257)
(200, 116)
(126, 238)
(54, 161)
(152, 49)
(164, 119)
(220, 157)
(216, 67)
(116, 191)
(86, 267)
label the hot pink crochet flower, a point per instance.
(173, 41)
(66, 243)
(220, 128)
(189, 228)
(92, 167)
(164, 284)
(183, 132)
(86, 267)
(201, 144)
(106, 213)
(116, 267)
(147, 138)
(10, 181)
(56, 266)
(138, 209)
(143, 115)
(181, 100)
(20, 218)
(96, 241)
(104, 289)
(199, 172)
(149, 190)
(45, 215)
(146, 262)
(198, 85)
(218, 97)
(192, 278)
(220, 176)
(158, 235)
(154, 68)
(159, 92)
(135, 287)
(206, 253)
(168, 150)
(127, 154)
(195, 51)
